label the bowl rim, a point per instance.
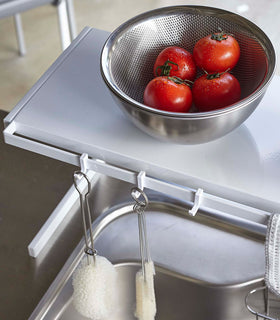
(259, 91)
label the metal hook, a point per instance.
(140, 197)
(77, 176)
(141, 202)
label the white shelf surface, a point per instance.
(71, 108)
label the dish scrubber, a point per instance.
(145, 293)
(94, 281)
(94, 285)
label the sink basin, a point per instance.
(204, 268)
(177, 298)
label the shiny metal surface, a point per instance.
(144, 36)
(204, 269)
(177, 299)
(263, 303)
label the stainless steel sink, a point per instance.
(177, 298)
(204, 268)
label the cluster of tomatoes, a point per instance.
(175, 87)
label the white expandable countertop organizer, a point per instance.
(71, 110)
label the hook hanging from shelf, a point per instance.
(141, 180)
(57, 217)
(197, 202)
(84, 162)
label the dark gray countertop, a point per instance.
(30, 188)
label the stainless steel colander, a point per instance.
(129, 54)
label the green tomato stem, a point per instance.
(211, 76)
(219, 36)
(178, 80)
(165, 68)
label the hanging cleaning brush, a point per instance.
(145, 292)
(94, 280)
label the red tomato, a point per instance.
(168, 94)
(214, 91)
(175, 62)
(218, 52)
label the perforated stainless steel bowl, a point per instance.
(129, 54)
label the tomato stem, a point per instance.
(178, 80)
(219, 36)
(165, 68)
(211, 76)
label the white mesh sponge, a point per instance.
(272, 254)
(94, 287)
